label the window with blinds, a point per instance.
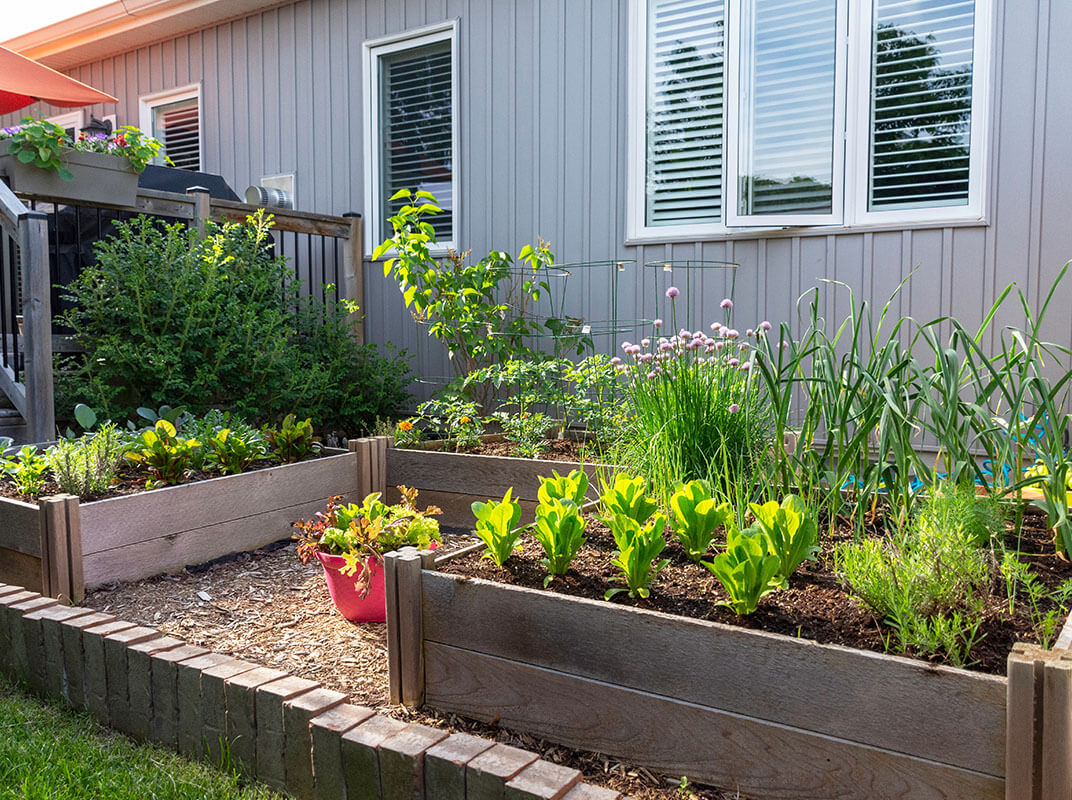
(417, 131)
(806, 112)
(787, 119)
(921, 95)
(685, 111)
(177, 126)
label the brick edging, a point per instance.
(288, 732)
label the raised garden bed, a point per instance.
(61, 546)
(776, 715)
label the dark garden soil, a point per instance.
(557, 450)
(815, 606)
(130, 479)
(268, 608)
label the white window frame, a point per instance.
(374, 50)
(852, 147)
(72, 119)
(147, 103)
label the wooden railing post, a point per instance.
(352, 280)
(202, 206)
(37, 325)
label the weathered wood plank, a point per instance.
(457, 508)
(74, 549)
(1021, 728)
(173, 552)
(408, 603)
(395, 655)
(480, 476)
(20, 527)
(1057, 730)
(21, 569)
(59, 566)
(751, 755)
(118, 521)
(286, 219)
(40, 411)
(880, 700)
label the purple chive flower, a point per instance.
(645, 342)
(747, 365)
(733, 334)
(765, 325)
(672, 292)
(734, 408)
(695, 344)
(657, 323)
(684, 333)
(652, 375)
(749, 332)
(615, 361)
(697, 334)
(733, 362)
(716, 326)
(726, 304)
(633, 349)
(626, 346)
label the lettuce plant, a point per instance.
(627, 496)
(571, 487)
(166, 454)
(695, 517)
(497, 527)
(638, 547)
(559, 529)
(790, 532)
(746, 570)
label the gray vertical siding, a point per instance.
(543, 100)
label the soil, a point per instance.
(557, 450)
(816, 605)
(130, 479)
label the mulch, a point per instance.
(269, 608)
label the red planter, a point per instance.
(370, 608)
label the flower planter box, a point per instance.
(98, 177)
(61, 546)
(767, 714)
(453, 481)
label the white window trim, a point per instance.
(854, 77)
(148, 102)
(374, 49)
(72, 119)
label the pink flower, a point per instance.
(749, 332)
(726, 304)
(733, 362)
(765, 325)
(715, 326)
(645, 342)
(747, 365)
(672, 292)
(734, 408)
(615, 361)
(733, 334)
(626, 346)
(657, 323)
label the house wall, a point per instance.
(543, 129)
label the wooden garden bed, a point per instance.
(60, 546)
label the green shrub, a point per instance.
(214, 321)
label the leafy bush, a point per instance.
(497, 527)
(163, 452)
(214, 321)
(27, 468)
(292, 441)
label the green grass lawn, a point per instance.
(48, 752)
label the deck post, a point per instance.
(352, 280)
(37, 320)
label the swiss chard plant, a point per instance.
(746, 570)
(695, 517)
(163, 452)
(233, 451)
(627, 496)
(559, 528)
(292, 441)
(497, 527)
(638, 548)
(790, 531)
(573, 487)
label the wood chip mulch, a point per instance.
(268, 608)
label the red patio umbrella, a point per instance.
(24, 81)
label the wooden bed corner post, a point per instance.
(1038, 730)
(405, 645)
(371, 463)
(61, 548)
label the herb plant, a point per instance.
(559, 528)
(638, 547)
(292, 441)
(497, 527)
(87, 466)
(746, 570)
(457, 417)
(695, 517)
(27, 469)
(790, 532)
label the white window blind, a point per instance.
(416, 133)
(788, 91)
(686, 45)
(922, 52)
(177, 125)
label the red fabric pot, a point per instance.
(370, 608)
